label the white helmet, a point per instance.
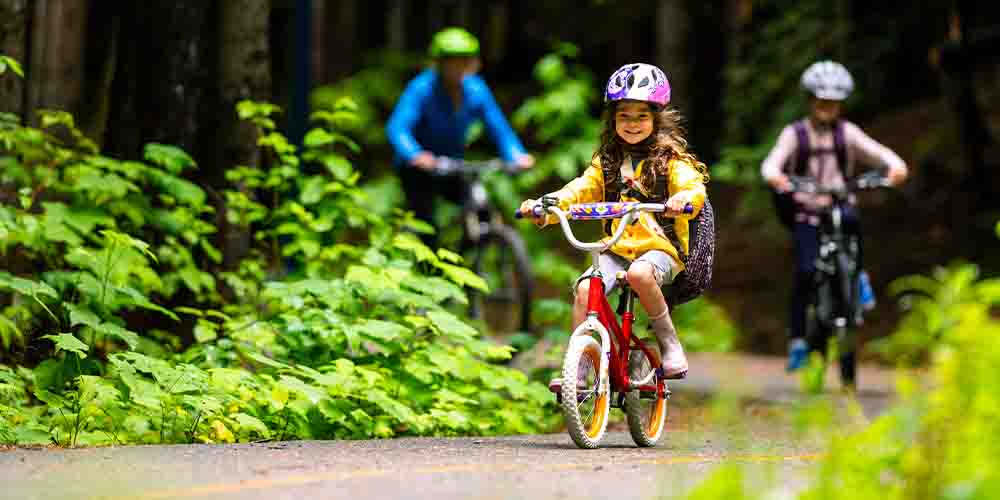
(828, 80)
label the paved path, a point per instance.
(758, 434)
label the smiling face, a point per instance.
(633, 121)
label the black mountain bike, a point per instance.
(835, 309)
(493, 250)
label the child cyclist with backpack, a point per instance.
(829, 149)
(643, 156)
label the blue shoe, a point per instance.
(798, 351)
(865, 293)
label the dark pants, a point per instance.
(421, 188)
(806, 241)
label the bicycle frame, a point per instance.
(616, 340)
(614, 362)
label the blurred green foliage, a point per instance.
(338, 324)
(936, 441)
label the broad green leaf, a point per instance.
(79, 315)
(317, 137)
(463, 276)
(338, 166)
(248, 424)
(438, 289)
(117, 238)
(9, 332)
(449, 256)
(384, 331)
(451, 326)
(313, 190)
(138, 299)
(410, 243)
(67, 342)
(183, 190)
(296, 386)
(171, 158)
(205, 331)
(25, 286)
(13, 64)
(112, 330)
(390, 406)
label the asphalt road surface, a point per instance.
(756, 431)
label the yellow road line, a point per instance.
(300, 479)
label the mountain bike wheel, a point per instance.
(846, 336)
(584, 406)
(645, 411)
(502, 261)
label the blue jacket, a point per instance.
(424, 119)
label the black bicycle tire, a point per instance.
(505, 235)
(847, 353)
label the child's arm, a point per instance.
(772, 168)
(587, 188)
(687, 185)
(872, 152)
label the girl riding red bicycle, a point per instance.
(643, 157)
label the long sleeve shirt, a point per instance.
(425, 119)
(861, 149)
(646, 234)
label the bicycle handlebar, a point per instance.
(445, 165)
(626, 212)
(868, 180)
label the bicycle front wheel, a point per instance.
(645, 407)
(584, 405)
(502, 261)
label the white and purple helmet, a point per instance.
(638, 82)
(828, 80)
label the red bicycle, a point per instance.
(623, 373)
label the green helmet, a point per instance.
(454, 42)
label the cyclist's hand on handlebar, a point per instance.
(897, 176)
(677, 202)
(527, 209)
(525, 161)
(781, 183)
(424, 161)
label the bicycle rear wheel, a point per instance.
(645, 410)
(501, 259)
(584, 405)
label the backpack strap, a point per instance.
(802, 150)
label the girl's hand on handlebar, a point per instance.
(677, 202)
(527, 210)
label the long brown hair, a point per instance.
(664, 144)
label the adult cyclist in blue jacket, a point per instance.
(433, 116)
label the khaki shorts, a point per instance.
(664, 270)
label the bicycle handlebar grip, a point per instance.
(537, 211)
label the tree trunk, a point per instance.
(673, 24)
(339, 40)
(395, 25)
(159, 79)
(14, 44)
(495, 35)
(245, 65)
(57, 40)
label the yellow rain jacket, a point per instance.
(645, 234)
